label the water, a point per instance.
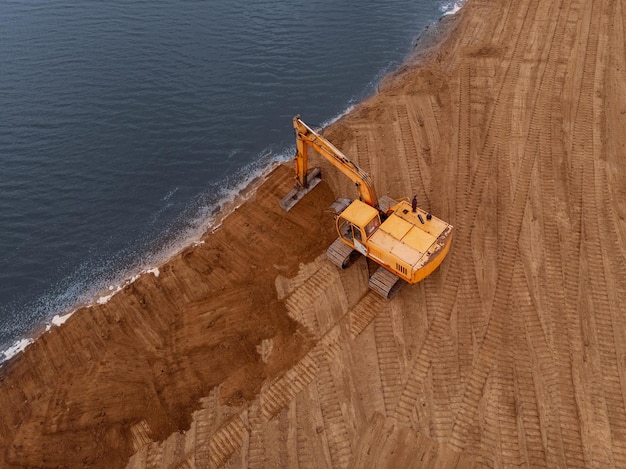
(123, 124)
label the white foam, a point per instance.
(16, 348)
(332, 120)
(116, 289)
(169, 195)
(105, 299)
(58, 319)
(450, 8)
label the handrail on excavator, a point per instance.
(306, 136)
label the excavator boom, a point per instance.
(305, 180)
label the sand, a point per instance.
(249, 349)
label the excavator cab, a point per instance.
(356, 224)
(351, 234)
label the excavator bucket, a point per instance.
(296, 194)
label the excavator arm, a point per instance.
(305, 181)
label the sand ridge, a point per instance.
(252, 350)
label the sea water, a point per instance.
(124, 125)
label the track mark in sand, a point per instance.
(388, 360)
(507, 382)
(547, 331)
(201, 455)
(362, 150)
(405, 411)
(284, 388)
(213, 449)
(447, 298)
(411, 154)
(617, 268)
(466, 318)
(582, 153)
(204, 425)
(489, 351)
(155, 454)
(225, 441)
(444, 304)
(611, 386)
(187, 464)
(286, 286)
(532, 453)
(196, 441)
(494, 373)
(463, 136)
(595, 208)
(489, 362)
(315, 367)
(496, 122)
(339, 441)
(140, 435)
(332, 342)
(509, 268)
(273, 398)
(501, 365)
(256, 449)
(548, 380)
(445, 375)
(560, 419)
(304, 455)
(442, 301)
(300, 301)
(364, 312)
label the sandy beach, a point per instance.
(250, 349)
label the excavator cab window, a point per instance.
(372, 226)
(344, 227)
(357, 233)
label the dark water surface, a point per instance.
(124, 124)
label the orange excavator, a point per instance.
(407, 242)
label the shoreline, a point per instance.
(423, 47)
(226, 206)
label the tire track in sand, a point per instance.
(388, 360)
(362, 150)
(530, 349)
(499, 327)
(447, 297)
(411, 154)
(548, 334)
(594, 208)
(569, 345)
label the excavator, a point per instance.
(406, 242)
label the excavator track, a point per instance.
(385, 283)
(342, 255)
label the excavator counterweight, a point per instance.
(407, 242)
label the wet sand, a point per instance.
(249, 349)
